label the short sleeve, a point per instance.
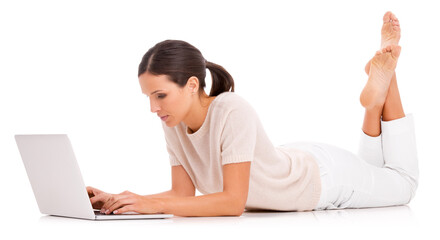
(173, 158)
(239, 136)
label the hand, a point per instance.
(97, 197)
(130, 202)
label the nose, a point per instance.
(154, 107)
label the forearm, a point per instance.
(216, 204)
(167, 194)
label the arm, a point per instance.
(238, 142)
(182, 186)
(230, 202)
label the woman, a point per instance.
(217, 144)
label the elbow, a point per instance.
(237, 208)
(235, 212)
(239, 212)
(235, 204)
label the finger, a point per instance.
(93, 191)
(124, 209)
(103, 197)
(99, 198)
(98, 201)
(110, 201)
(126, 193)
(97, 205)
(90, 191)
(97, 191)
(118, 204)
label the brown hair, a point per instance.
(180, 60)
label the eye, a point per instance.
(161, 96)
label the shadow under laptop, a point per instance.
(50, 219)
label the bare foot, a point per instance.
(382, 69)
(390, 34)
(390, 30)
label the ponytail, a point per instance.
(222, 81)
(180, 60)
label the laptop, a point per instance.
(56, 179)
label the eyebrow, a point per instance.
(155, 92)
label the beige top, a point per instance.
(281, 178)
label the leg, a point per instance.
(395, 147)
(350, 182)
(370, 145)
(400, 152)
(392, 108)
(371, 125)
(388, 173)
(370, 142)
(375, 93)
(390, 36)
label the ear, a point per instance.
(193, 84)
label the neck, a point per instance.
(198, 112)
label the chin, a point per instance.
(171, 124)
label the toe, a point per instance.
(387, 17)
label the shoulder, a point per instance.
(230, 101)
(232, 109)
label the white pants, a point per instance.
(384, 173)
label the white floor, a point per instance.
(399, 222)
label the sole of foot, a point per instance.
(390, 33)
(381, 71)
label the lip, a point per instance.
(164, 118)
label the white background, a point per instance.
(71, 67)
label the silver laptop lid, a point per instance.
(55, 175)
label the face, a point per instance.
(167, 99)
